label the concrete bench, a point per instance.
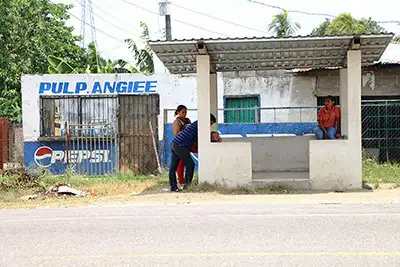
(258, 135)
(231, 136)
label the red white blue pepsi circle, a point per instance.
(43, 156)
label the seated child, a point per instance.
(215, 137)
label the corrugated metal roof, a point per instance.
(391, 56)
(262, 53)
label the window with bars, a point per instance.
(242, 109)
(55, 112)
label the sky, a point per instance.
(116, 20)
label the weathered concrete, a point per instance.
(387, 82)
(275, 89)
(336, 164)
(278, 154)
(228, 164)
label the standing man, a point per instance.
(180, 151)
(328, 121)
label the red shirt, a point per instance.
(328, 118)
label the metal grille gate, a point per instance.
(138, 127)
(110, 133)
(92, 149)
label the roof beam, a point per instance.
(202, 49)
(260, 51)
(355, 42)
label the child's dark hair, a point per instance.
(212, 118)
(179, 109)
(329, 97)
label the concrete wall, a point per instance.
(278, 154)
(275, 89)
(298, 129)
(229, 163)
(337, 164)
(173, 90)
(336, 170)
(387, 81)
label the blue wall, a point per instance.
(297, 128)
(51, 155)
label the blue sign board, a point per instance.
(103, 159)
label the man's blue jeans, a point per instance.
(321, 135)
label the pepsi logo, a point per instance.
(43, 156)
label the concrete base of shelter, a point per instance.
(294, 180)
(335, 165)
(226, 164)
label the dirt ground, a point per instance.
(162, 197)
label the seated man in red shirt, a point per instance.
(328, 121)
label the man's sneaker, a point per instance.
(175, 190)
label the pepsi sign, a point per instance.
(98, 88)
(44, 156)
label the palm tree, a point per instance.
(282, 25)
(144, 55)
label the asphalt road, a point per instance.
(203, 235)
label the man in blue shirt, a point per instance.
(180, 151)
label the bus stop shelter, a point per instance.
(333, 164)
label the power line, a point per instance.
(312, 13)
(292, 11)
(216, 18)
(122, 22)
(114, 48)
(107, 21)
(101, 31)
(180, 21)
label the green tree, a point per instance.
(30, 31)
(346, 24)
(282, 26)
(95, 63)
(143, 56)
(396, 39)
(322, 29)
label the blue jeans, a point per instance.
(321, 135)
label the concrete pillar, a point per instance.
(203, 110)
(344, 103)
(354, 96)
(214, 98)
(337, 164)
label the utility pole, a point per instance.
(165, 11)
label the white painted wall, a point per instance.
(337, 164)
(173, 90)
(276, 89)
(334, 165)
(185, 93)
(279, 153)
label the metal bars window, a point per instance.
(76, 110)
